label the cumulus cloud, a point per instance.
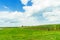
(39, 5)
(42, 4)
(16, 19)
(53, 16)
(25, 18)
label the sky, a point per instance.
(29, 12)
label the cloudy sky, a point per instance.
(29, 12)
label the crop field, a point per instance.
(43, 32)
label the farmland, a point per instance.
(41, 32)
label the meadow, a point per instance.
(40, 32)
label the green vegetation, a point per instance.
(43, 32)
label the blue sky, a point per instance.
(29, 12)
(13, 5)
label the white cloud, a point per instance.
(24, 1)
(39, 5)
(53, 16)
(26, 18)
(7, 17)
(42, 4)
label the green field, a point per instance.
(43, 32)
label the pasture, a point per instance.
(43, 32)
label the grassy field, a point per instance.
(43, 32)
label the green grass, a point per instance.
(31, 33)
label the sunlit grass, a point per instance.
(46, 32)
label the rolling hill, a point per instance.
(41, 32)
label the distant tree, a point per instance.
(22, 25)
